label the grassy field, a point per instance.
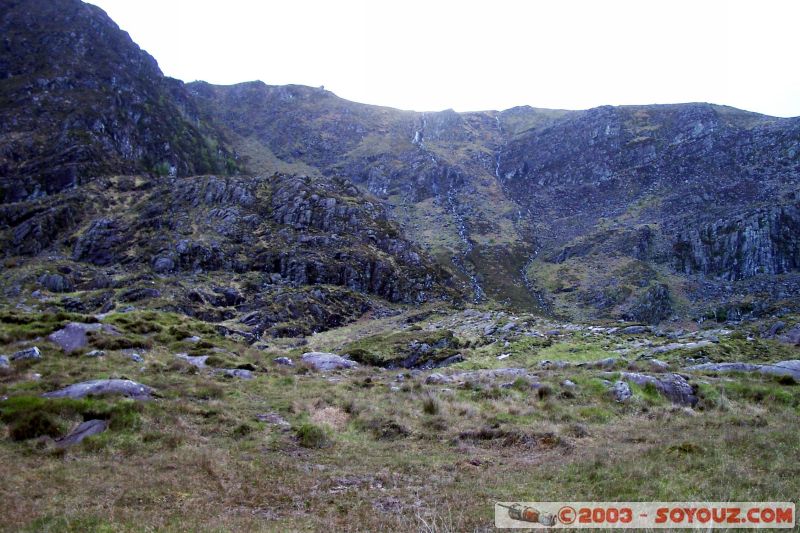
(372, 449)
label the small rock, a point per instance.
(285, 361)
(634, 330)
(657, 365)
(503, 356)
(96, 353)
(436, 379)
(323, 361)
(136, 358)
(237, 373)
(163, 264)
(776, 327)
(198, 361)
(273, 418)
(621, 391)
(29, 353)
(193, 338)
(4, 363)
(488, 330)
(568, 384)
(509, 326)
(547, 364)
(86, 429)
(553, 333)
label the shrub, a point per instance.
(34, 424)
(312, 436)
(431, 405)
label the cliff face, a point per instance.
(79, 99)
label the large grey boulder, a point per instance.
(86, 429)
(325, 362)
(103, 387)
(673, 386)
(74, 336)
(782, 368)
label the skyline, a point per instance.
(467, 56)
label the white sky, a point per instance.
(491, 54)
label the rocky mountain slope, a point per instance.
(97, 211)
(642, 213)
(636, 212)
(79, 99)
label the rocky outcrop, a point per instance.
(80, 100)
(763, 242)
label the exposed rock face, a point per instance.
(80, 99)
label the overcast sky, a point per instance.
(492, 54)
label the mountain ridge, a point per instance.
(607, 213)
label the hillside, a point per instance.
(260, 308)
(638, 212)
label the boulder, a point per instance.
(237, 373)
(198, 361)
(673, 386)
(163, 264)
(55, 283)
(325, 362)
(657, 365)
(792, 336)
(74, 336)
(621, 391)
(4, 363)
(86, 429)
(103, 387)
(436, 378)
(28, 353)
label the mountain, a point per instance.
(107, 202)
(635, 212)
(639, 213)
(79, 99)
